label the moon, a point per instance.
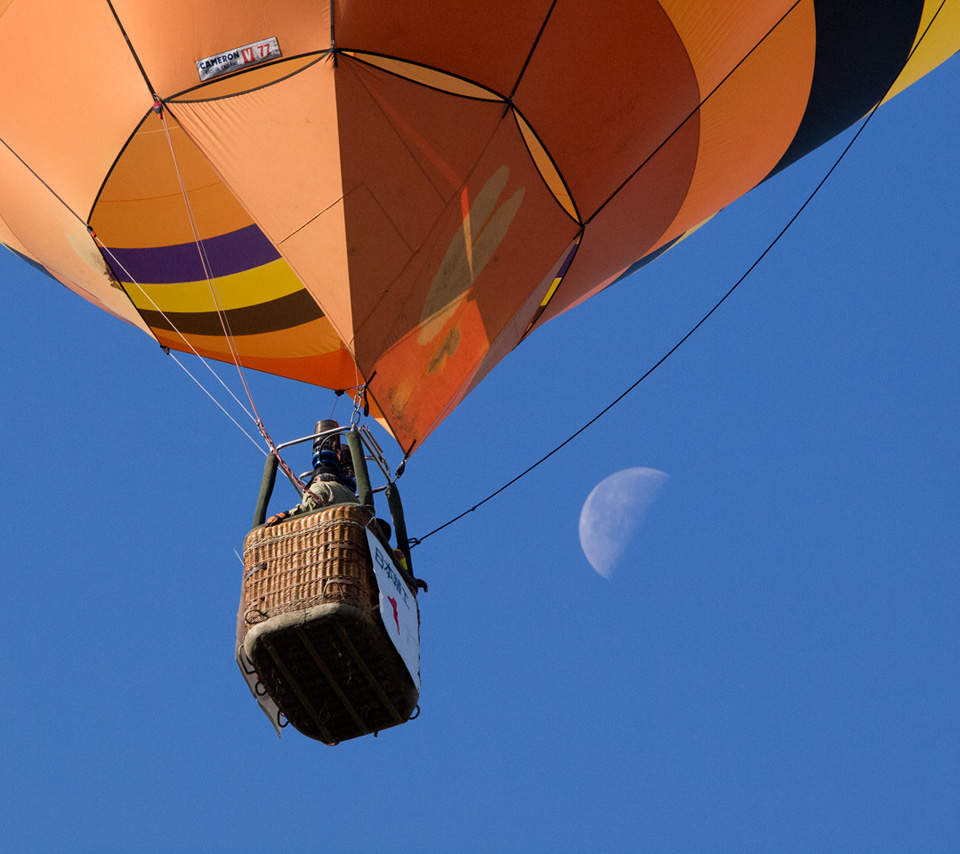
(613, 512)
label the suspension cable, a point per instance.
(204, 259)
(186, 370)
(160, 109)
(129, 278)
(415, 541)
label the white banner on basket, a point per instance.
(398, 607)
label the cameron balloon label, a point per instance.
(238, 57)
(398, 608)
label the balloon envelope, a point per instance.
(399, 193)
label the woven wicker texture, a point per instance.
(306, 561)
(310, 607)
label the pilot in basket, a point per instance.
(328, 631)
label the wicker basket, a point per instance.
(312, 630)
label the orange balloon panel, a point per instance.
(484, 41)
(739, 134)
(400, 192)
(605, 101)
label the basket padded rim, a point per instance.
(297, 517)
(291, 619)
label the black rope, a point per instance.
(692, 113)
(133, 53)
(417, 540)
(46, 186)
(533, 48)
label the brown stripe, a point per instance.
(292, 310)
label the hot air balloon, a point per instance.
(391, 197)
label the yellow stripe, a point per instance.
(551, 292)
(938, 45)
(252, 287)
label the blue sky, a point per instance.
(775, 665)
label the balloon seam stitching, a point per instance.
(178, 98)
(133, 52)
(360, 57)
(533, 48)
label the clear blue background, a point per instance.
(774, 667)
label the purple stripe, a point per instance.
(227, 254)
(569, 260)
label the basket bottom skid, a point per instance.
(333, 671)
